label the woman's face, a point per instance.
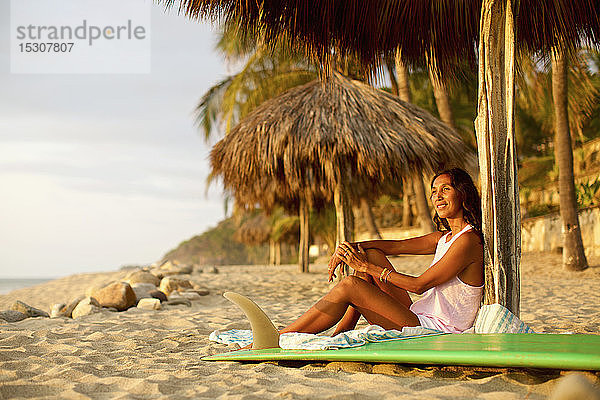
(446, 199)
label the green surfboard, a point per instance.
(579, 352)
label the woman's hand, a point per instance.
(334, 262)
(354, 258)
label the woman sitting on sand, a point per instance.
(452, 285)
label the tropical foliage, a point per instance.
(215, 246)
(534, 106)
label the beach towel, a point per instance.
(307, 341)
(495, 318)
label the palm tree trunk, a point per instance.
(417, 183)
(422, 205)
(344, 222)
(440, 93)
(277, 253)
(369, 219)
(573, 252)
(406, 209)
(304, 237)
(271, 252)
(397, 78)
(402, 78)
(497, 153)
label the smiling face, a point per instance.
(446, 200)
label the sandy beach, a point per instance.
(156, 354)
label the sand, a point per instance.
(156, 354)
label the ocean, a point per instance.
(10, 284)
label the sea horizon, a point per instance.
(7, 285)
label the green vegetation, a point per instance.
(536, 172)
(588, 194)
(215, 246)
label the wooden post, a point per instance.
(304, 237)
(497, 153)
(344, 222)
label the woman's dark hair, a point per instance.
(471, 202)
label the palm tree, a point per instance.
(573, 252)
(543, 110)
(402, 90)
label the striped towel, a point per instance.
(307, 341)
(495, 318)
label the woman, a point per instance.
(452, 285)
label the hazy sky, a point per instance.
(99, 171)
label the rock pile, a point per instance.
(148, 288)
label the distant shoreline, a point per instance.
(7, 285)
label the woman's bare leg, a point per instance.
(375, 305)
(352, 316)
(377, 257)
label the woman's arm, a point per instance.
(425, 244)
(464, 252)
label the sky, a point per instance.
(98, 171)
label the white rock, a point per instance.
(87, 306)
(58, 310)
(71, 306)
(149, 304)
(171, 284)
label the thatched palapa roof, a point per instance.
(307, 140)
(255, 230)
(365, 29)
(371, 28)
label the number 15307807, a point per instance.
(45, 47)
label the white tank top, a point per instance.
(453, 304)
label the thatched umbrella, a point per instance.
(274, 229)
(254, 231)
(448, 29)
(339, 140)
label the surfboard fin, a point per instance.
(264, 333)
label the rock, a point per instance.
(189, 295)
(176, 300)
(157, 272)
(212, 270)
(89, 292)
(149, 304)
(170, 284)
(157, 294)
(28, 310)
(58, 310)
(143, 290)
(12, 316)
(575, 386)
(72, 304)
(119, 295)
(142, 277)
(87, 306)
(200, 291)
(176, 271)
